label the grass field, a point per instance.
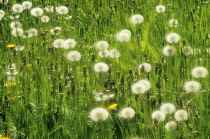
(51, 97)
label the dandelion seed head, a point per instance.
(127, 113)
(114, 53)
(187, 50)
(160, 8)
(27, 5)
(181, 115)
(123, 36)
(32, 32)
(68, 17)
(173, 23)
(208, 50)
(74, 56)
(1, 17)
(103, 54)
(58, 43)
(11, 70)
(55, 31)
(101, 67)
(102, 96)
(51, 9)
(99, 114)
(169, 50)
(14, 16)
(15, 24)
(126, 31)
(17, 8)
(158, 116)
(37, 12)
(138, 88)
(102, 45)
(146, 83)
(62, 10)
(137, 19)
(192, 86)
(19, 48)
(10, 78)
(145, 67)
(2, 13)
(199, 72)
(172, 38)
(69, 43)
(170, 126)
(196, 51)
(45, 19)
(17, 32)
(167, 108)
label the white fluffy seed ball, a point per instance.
(167, 108)
(181, 115)
(187, 50)
(15, 24)
(145, 67)
(199, 72)
(45, 19)
(192, 86)
(138, 88)
(2, 13)
(32, 32)
(62, 10)
(58, 43)
(137, 19)
(172, 38)
(173, 23)
(114, 53)
(159, 116)
(102, 45)
(27, 5)
(126, 31)
(169, 50)
(128, 113)
(170, 126)
(104, 53)
(101, 67)
(160, 8)
(99, 114)
(69, 43)
(74, 56)
(146, 83)
(123, 36)
(37, 12)
(17, 8)
(17, 32)
(19, 48)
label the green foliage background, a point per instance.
(52, 98)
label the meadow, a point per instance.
(97, 71)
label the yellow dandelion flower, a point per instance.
(9, 84)
(11, 98)
(28, 65)
(4, 138)
(139, 73)
(10, 46)
(20, 92)
(112, 106)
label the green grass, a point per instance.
(53, 99)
